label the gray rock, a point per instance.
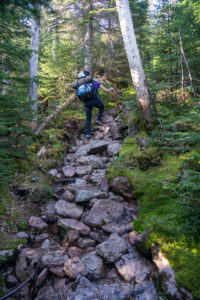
(83, 290)
(114, 130)
(11, 280)
(92, 160)
(68, 171)
(167, 277)
(86, 242)
(114, 228)
(46, 244)
(42, 277)
(54, 257)
(25, 263)
(146, 291)
(94, 265)
(80, 181)
(68, 196)
(97, 176)
(68, 209)
(7, 254)
(22, 235)
(112, 249)
(41, 237)
(86, 193)
(113, 149)
(53, 172)
(75, 225)
(83, 170)
(38, 224)
(93, 147)
(115, 197)
(49, 211)
(111, 290)
(134, 268)
(73, 266)
(104, 211)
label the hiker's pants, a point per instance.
(88, 107)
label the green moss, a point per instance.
(11, 243)
(160, 208)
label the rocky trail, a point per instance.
(83, 245)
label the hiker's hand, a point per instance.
(111, 89)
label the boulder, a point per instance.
(56, 258)
(86, 193)
(25, 263)
(121, 185)
(68, 196)
(104, 211)
(68, 209)
(134, 268)
(73, 266)
(86, 242)
(74, 251)
(114, 130)
(72, 236)
(83, 290)
(92, 160)
(97, 176)
(146, 290)
(68, 224)
(167, 276)
(38, 224)
(113, 149)
(94, 266)
(93, 147)
(69, 171)
(112, 249)
(83, 170)
(112, 290)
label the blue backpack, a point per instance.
(86, 91)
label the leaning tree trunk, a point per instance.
(146, 105)
(88, 36)
(35, 32)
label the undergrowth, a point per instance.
(164, 171)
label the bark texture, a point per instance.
(35, 32)
(145, 101)
(88, 36)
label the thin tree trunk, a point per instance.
(182, 79)
(144, 99)
(50, 117)
(35, 31)
(109, 41)
(187, 65)
(88, 36)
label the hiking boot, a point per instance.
(88, 136)
(99, 122)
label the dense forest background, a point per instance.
(167, 33)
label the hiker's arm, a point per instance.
(105, 89)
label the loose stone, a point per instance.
(68, 209)
(73, 266)
(75, 225)
(112, 249)
(94, 266)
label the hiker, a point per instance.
(93, 101)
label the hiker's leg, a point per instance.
(100, 105)
(88, 108)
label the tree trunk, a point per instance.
(146, 105)
(35, 31)
(88, 36)
(187, 65)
